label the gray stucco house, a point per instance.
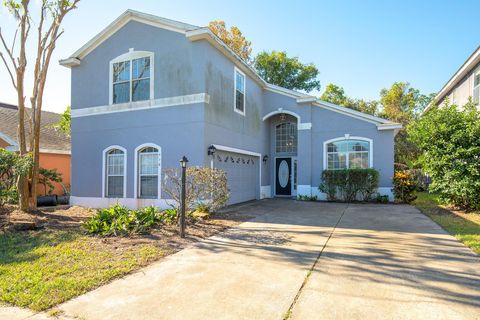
(148, 90)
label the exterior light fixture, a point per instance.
(183, 164)
(283, 116)
(211, 150)
(265, 158)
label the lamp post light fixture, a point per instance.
(265, 158)
(183, 163)
(211, 150)
(283, 116)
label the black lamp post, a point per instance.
(183, 163)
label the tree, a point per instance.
(46, 177)
(279, 69)
(403, 104)
(449, 141)
(51, 15)
(65, 122)
(12, 167)
(335, 94)
(233, 38)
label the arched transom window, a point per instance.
(286, 137)
(115, 173)
(148, 167)
(352, 153)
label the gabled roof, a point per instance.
(51, 140)
(464, 69)
(195, 33)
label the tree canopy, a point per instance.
(276, 67)
(335, 94)
(233, 38)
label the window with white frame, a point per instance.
(348, 154)
(476, 87)
(148, 164)
(239, 92)
(115, 173)
(131, 77)
(286, 137)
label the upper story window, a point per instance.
(115, 173)
(239, 92)
(286, 137)
(348, 154)
(131, 77)
(476, 87)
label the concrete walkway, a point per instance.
(305, 260)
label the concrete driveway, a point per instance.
(304, 260)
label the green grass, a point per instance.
(40, 269)
(464, 226)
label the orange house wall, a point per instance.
(61, 162)
(3, 144)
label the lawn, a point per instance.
(42, 268)
(464, 226)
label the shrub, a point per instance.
(12, 165)
(449, 138)
(46, 177)
(118, 220)
(204, 186)
(381, 198)
(404, 187)
(307, 198)
(350, 184)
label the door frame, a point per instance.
(293, 192)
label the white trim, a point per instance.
(305, 126)
(348, 137)
(8, 139)
(280, 111)
(159, 172)
(265, 192)
(131, 203)
(117, 24)
(243, 113)
(306, 99)
(246, 152)
(389, 126)
(351, 112)
(55, 151)
(104, 166)
(130, 56)
(143, 105)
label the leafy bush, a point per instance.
(204, 186)
(118, 220)
(404, 187)
(449, 138)
(46, 177)
(12, 165)
(307, 198)
(381, 198)
(349, 184)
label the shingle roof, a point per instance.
(50, 138)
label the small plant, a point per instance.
(381, 198)
(307, 198)
(47, 177)
(404, 187)
(12, 166)
(203, 208)
(118, 220)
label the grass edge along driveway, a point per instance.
(463, 226)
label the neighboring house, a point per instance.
(54, 145)
(464, 84)
(148, 90)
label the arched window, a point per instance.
(348, 153)
(148, 172)
(131, 77)
(286, 137)
(115, 173)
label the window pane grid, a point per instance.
(148, 173)
(352, 154)
(239, 91)
(286, 137)
(115, 173)
(131, 80)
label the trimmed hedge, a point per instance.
(350, 184)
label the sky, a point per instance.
(362, 46)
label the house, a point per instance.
(54, 145)
(147, 90)
(464, 84)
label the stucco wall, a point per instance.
(463, 90)
(61, 162)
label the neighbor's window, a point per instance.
(148, 172)
(346, 154)
(115, 169)
(286, 137)
(239, 92)
(131, 80)
(476, 87)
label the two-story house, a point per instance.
(148, 90)
(463, 85)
